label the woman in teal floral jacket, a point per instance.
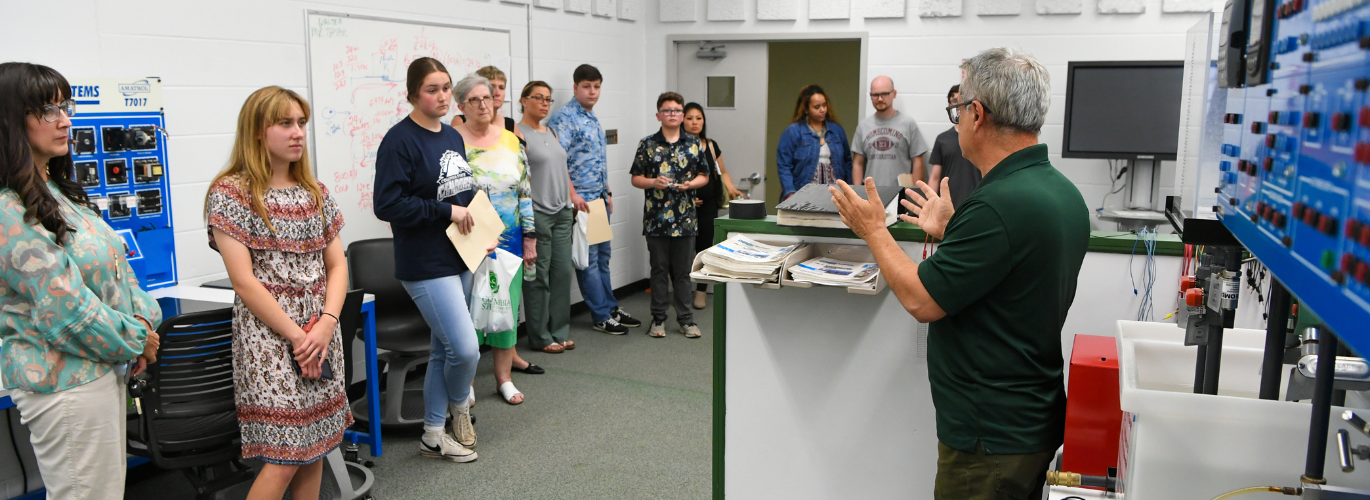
(72, 317)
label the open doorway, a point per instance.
(765, 77)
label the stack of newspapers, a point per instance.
(833, 272)
(740, 259)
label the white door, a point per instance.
(740, 130)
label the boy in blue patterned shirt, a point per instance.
(582, 137)
(668, 165)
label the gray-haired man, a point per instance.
(997, 290)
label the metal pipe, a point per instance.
(1199, 369)
(1213, 364)
(1322, 408)
(1273, 362)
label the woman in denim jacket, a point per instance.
(814, 147)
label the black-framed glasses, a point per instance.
(881, 95)
(541, 99)
(954, 111)
(49, 111)
(669, 112)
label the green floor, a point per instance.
(619, 417)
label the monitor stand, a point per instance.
(1144, 187)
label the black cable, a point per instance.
(9, 423)
(1073, 498)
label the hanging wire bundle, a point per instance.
(1147, 237)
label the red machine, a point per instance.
(1093, 418)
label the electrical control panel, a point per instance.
(119, 152)
(1295, 173)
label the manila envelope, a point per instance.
(599, 230)
(485, 232)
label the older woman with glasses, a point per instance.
(498, 84)
(74, 321)
(500, 168)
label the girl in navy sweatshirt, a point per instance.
(423, 184)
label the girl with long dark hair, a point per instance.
(814, 148)
(711, 198)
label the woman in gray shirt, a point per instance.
(548, 294)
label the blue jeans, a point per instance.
(594, 283)
(446, 307)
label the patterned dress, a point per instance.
(502, 172)
(285, 419)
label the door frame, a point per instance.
(673, 42)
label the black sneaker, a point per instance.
(623, 318)
(611, 327)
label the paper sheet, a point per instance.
(484, 232)
(599, 230)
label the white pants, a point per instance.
(78, 436)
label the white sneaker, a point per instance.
(445, 448)
(462, 429)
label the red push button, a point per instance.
(1364, 238)
(1352, 228)
(1341, 122)
(1310, 120)
(1268, 164)
(1363, 273)
(1270, 140)
(1364, 116)
(1298, 210)
(1348, 262)
(1278, 219)
(1310, 216)
(1327, 225)
(1362, 153)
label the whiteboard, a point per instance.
(357, 68)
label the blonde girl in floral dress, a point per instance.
(276, 228)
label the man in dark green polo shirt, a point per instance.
(997, 289)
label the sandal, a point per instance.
(531, 369)
(554, 348)
(568, 345)
(508, 391)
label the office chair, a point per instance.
(349, 476)
(187, 417)
(400, 329)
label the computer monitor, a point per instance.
(1123, 109)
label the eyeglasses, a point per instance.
(541, 99)
(670, 112)
(881, 95)
(49, 111)
(954, 111)
(480, 101)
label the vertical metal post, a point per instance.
(1213, 364)
(1199, 369)
(1322, 408)
(1275, 327)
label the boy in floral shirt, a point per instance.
(668, 165)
